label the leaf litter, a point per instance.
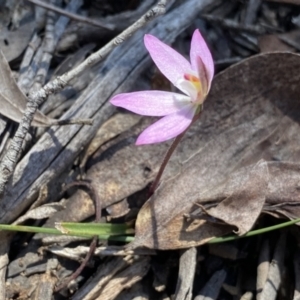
(238, 162)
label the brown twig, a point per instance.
(72, 15)
(82, 265)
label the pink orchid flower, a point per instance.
(192, 78)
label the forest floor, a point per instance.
(234, 172)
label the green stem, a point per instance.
(253, 232)
(21, 228)
(127, 239)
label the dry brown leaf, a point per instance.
(117, 124)
(161, 223)
(288, 41)
(283, 196)
(272, 43)
(244, 206)
(264, 124)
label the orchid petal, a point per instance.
(200, 50)
(203, 77)
(151, 103)
(172, 64)
(168, 127)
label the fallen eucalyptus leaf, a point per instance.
(117, 124)
(161, 223)
(248, 195)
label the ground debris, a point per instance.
(236, 170)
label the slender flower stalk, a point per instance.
(167, 158)
(178, 111)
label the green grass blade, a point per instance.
(119, 232)
(32, 229)
(122, 230)
(92, 229)
(253, 232)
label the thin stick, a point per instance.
(72, 16)
(36, 98)
(82, 265)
